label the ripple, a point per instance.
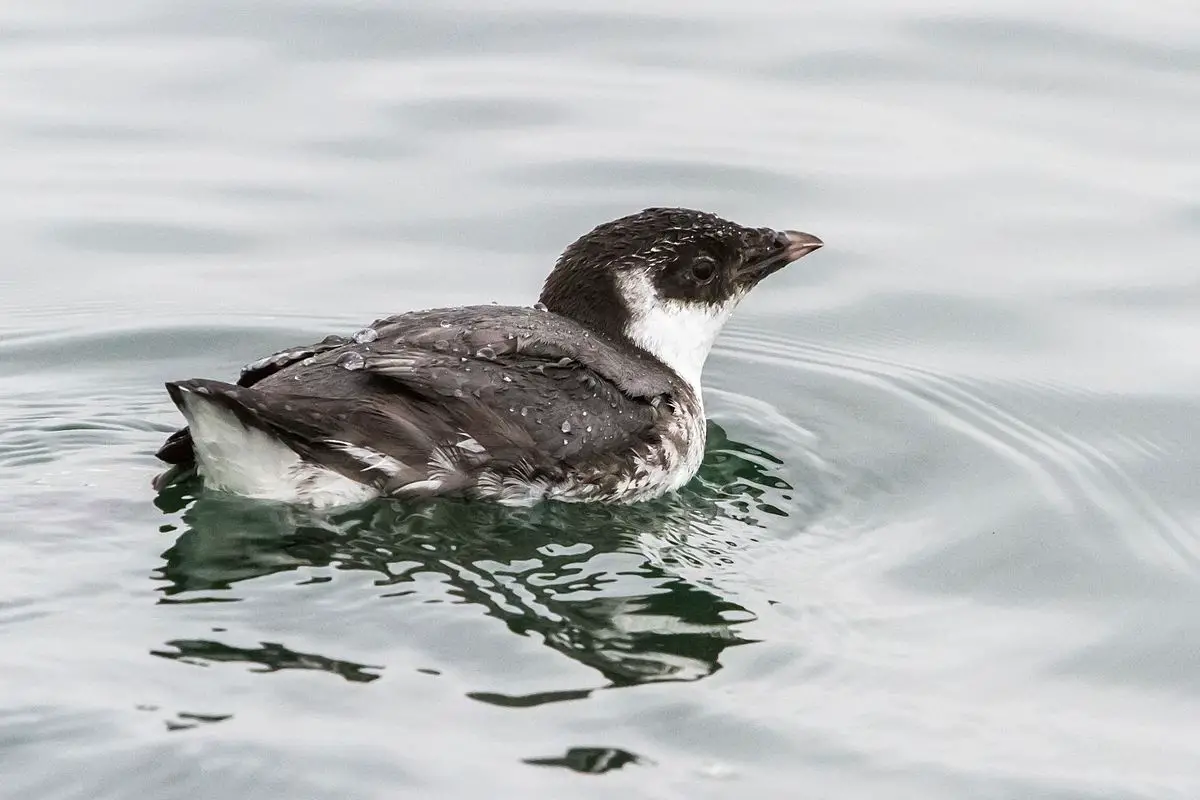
(639, 176)
(137, 763)
(1082, 475)
(150, 238)
(453, 115)
(131, 347)
(270, 656)
(324, 31)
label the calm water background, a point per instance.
(947, 540)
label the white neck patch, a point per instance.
(677, 333)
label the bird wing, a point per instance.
(429, 401)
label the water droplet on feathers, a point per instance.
(366, 335)
(352, 361)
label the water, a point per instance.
(945, 541)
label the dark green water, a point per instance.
(945, 542)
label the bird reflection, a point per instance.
(594, 583)
(270, 657)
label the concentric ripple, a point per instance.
(1062, 442)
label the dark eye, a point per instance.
(703, 269)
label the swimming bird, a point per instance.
(591, 395)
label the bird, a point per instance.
(592, 394)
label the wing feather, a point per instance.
(437, 401)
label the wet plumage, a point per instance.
(580, 401)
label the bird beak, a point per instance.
(788, 246)
(799, 245)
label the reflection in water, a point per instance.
(186, 720)
(273, 657)
(594, 582)
(593, 760)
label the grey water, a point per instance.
(946, 540)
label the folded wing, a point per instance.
(478, 400)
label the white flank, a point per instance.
(678, 333)
(250, 462)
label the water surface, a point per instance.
(945, 541)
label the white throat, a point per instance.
(677, 333)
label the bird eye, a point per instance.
(703, 270)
